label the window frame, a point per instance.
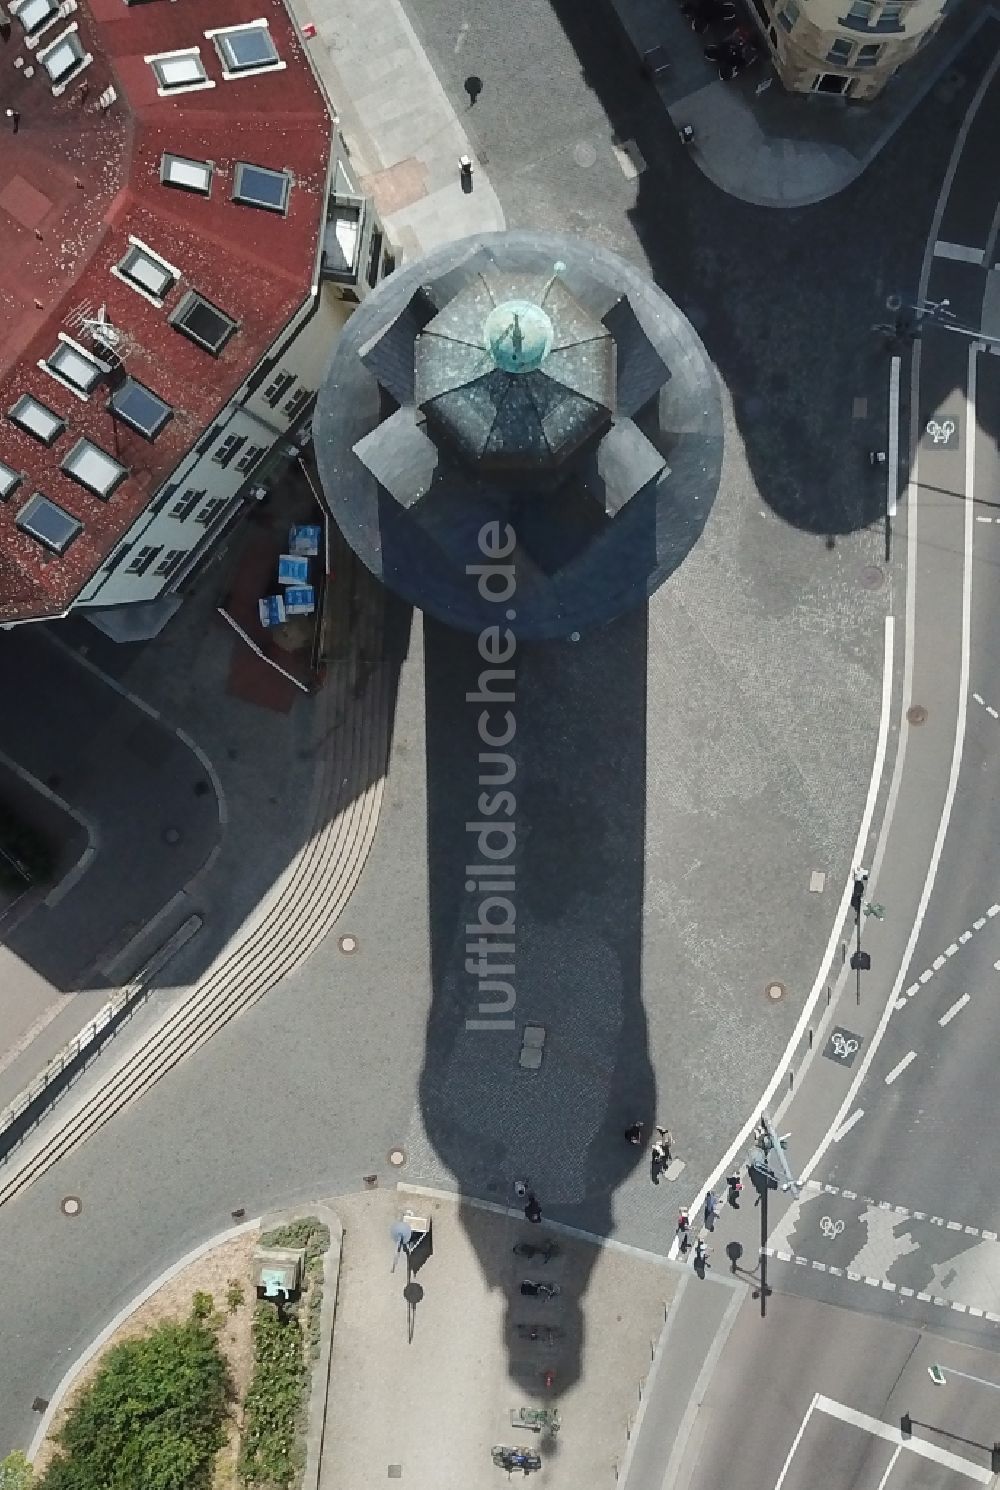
(116, 413)
(70, 38)
(184, 308)
(232, 69)
(169, 158)
(139, 250)
(47, 440)
(833, 59)
(285, 175)
(10, 480)
(66, 347)
(160, 61)
(36, 499)
(31, 32)
(103, 493)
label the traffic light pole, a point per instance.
(777, 1145)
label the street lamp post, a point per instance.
(937, 311)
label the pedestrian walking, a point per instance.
(701, 1255)
(665, 1142)
(659, 1154)
(532, 1209)
(521, 1189)
(711, 1210)
(735, 1187)
(684, 1230)
(633, 1134)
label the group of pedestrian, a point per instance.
(661, 1150)
(532, 1209)
(734, 1189)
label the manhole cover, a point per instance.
(584, 153)
(171, 835)
(916, 714)
(397, 1158)
(72, 1205)
(775, 991)
(395, 1471)
(348, 944)
(871, 578)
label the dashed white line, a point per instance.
(949, 1014)
(845, 1128)
(900, 1068)
(925, 976)
(965, 937)
(978, 925)
(950, 951)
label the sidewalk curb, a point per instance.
(116, 1323)
(675, 1464)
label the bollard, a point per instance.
(465, 167)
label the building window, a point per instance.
(375, 254)
(890, 18)
(37, 419)
(140, 408)
(211, 510)
(276, 390)
(246, 49)
(34, 14)
(186, 503)
(249, 458)
(146, 271)
(868, 55)
(170, 561)
(188, 175)
(48, 524)
(297, 402)
(787, 17)
(229, 447)
(94, 468)
(9, 480)
(256, 186)
(71, 364)
(203, 322)
(64, 58)
(840, 51)
(143, 559)
(116, 558)
(179, 72)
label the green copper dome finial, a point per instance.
(519, 335)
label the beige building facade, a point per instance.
(846, 48)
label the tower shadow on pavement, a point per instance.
(577, 781)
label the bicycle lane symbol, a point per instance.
(941, 431)
(843, 1046)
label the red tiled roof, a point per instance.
(76, 181)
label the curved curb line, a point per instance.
(76, 871)
(123, 1314)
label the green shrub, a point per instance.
(269, 1453)
(202, 1304)
(15, 1472)
(308, 1232)
(152, 1418)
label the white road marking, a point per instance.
(795, 1443)
(937, 964)
(891, 1434)
(843, 1131)
(958, 251)
(780, 1076)
(956, 1006)
(885, 1478)
(893, 461)
(950, 951)
(994, 910)
(960, 722)
(898, 1070)
(978, 925)
(965, 937)
(925, 976)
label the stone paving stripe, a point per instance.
(835, 1272)
(950, 951)
(899, 1004)
(992, 712)
(965, 937)
(924, 1298)
(937, 964)
(972, 1231)
(920, 1215)
(912, 990)
(900, 1067)
(873, 1282)
(978, 925)
(958, 251)
(889, 1287)
(849, 1194)
(854, 1277)
(994, 910)
(954, 1225)
(988, 1236)
(906, 1292)
(993, 1318)
(978, 699)
(925, 976)
(977, 1312)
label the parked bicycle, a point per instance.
(540, 1290)
(518, 1458)
(546, 1251)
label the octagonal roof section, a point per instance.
(122, 197)
(515, 373)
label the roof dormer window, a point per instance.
(245, 50)
(34, 14)
(179, 72)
